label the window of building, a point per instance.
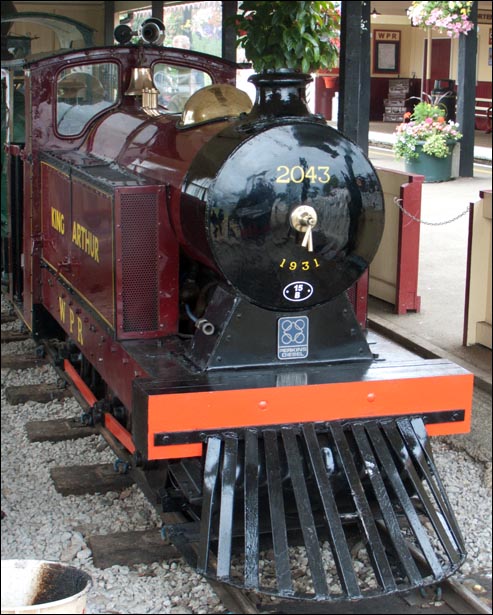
(189, 25)
(194, 25)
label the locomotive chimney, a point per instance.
(281, 93)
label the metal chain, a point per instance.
(398, 202)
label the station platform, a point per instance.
(437, 330)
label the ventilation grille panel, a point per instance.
(139, 240)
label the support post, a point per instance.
(157, 9)
(354, 72)
(466, 94)
(109, 23)
(228, 31)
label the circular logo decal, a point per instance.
(298, 291)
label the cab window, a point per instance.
(82, 93)
(176, 84)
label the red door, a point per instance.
(440, 62)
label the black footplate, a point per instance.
(325, 512)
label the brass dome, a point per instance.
(215, 102)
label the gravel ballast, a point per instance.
(39, 523)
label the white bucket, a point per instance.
(37, 586)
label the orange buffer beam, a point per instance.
(230, 409)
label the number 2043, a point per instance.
(298, 174)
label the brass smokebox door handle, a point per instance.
(303, 219)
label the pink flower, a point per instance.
(449, 17)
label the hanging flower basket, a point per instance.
(449, 17)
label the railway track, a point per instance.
(449, 597)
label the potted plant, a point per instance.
(449, 17)
(285, 41)
(300, 36)
(425, 140)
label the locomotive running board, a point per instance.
(395, 532)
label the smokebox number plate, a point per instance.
(292, 337)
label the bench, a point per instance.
(482, 113)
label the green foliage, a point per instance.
(437, 145)
(424, 110)
(301, 36)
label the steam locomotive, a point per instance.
(185, 256)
